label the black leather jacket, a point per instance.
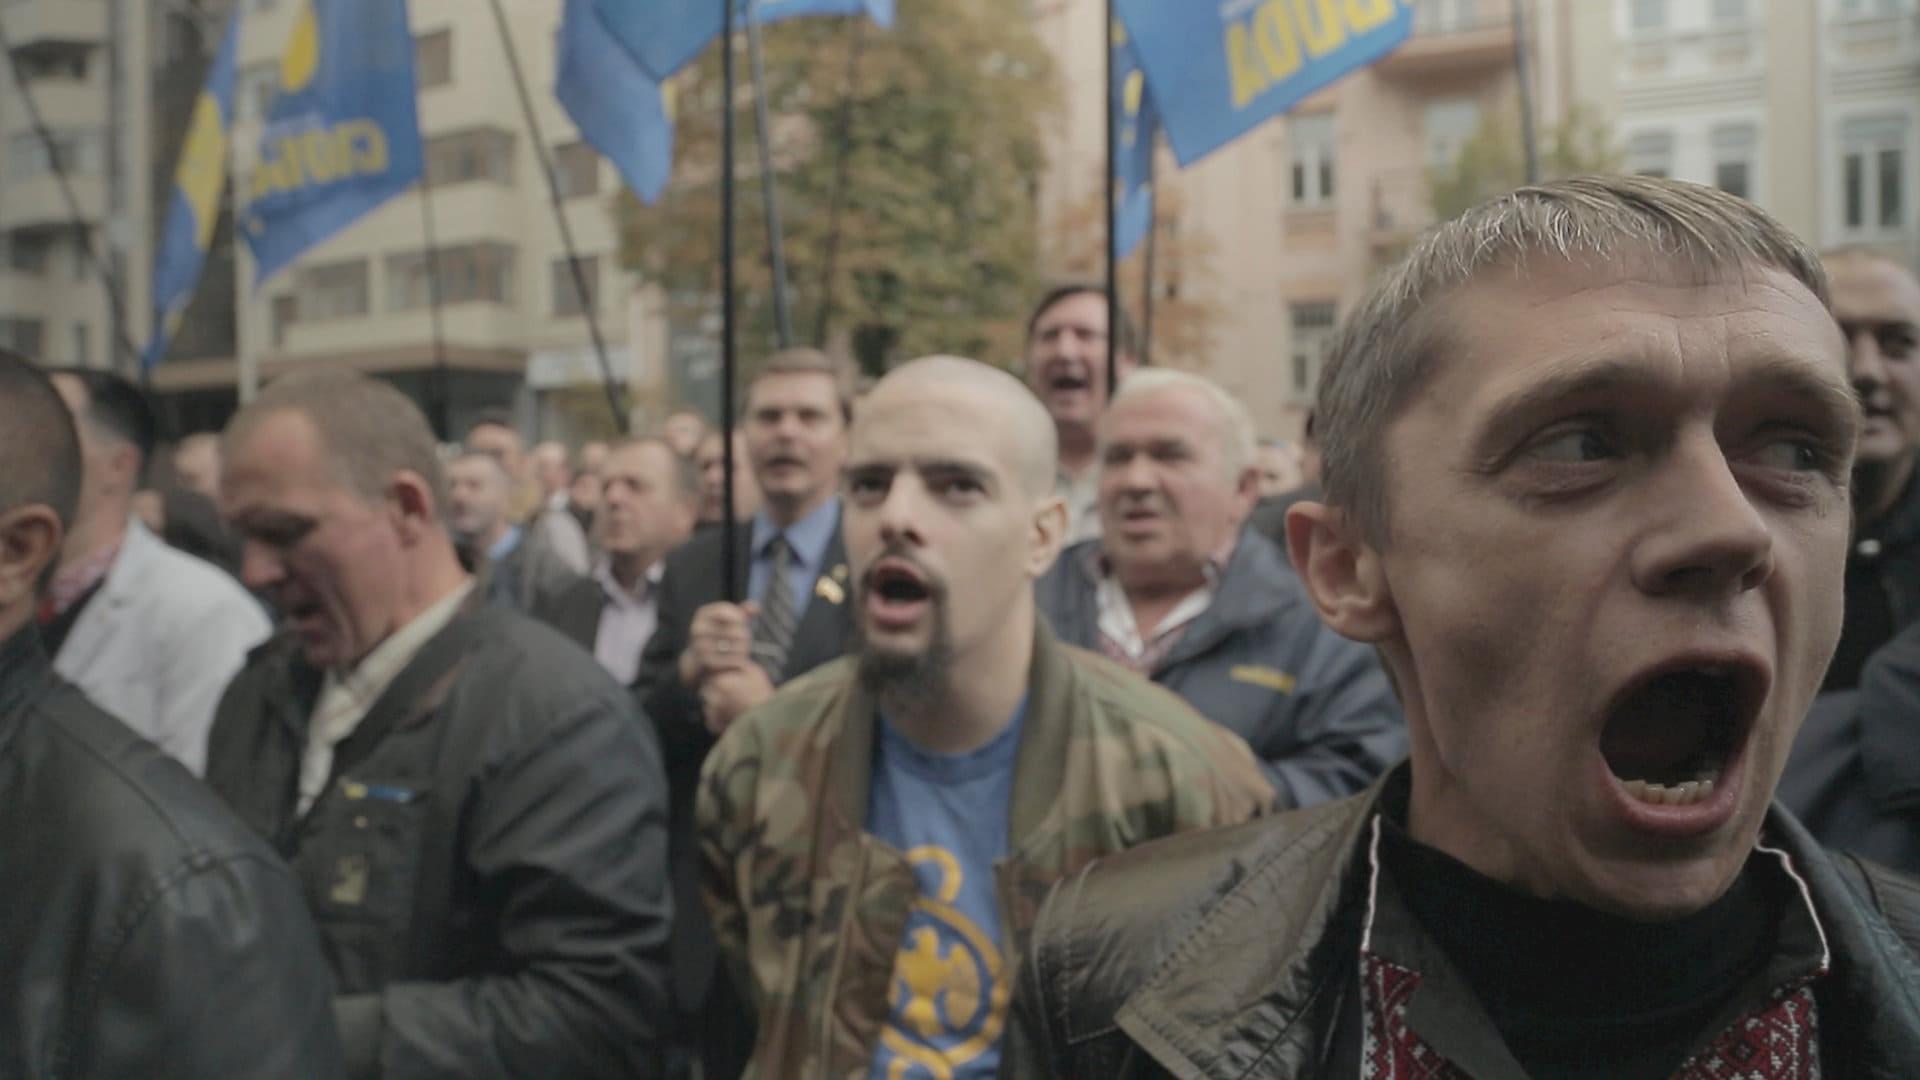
(1230, 954)
(487, 863)
(143, 931)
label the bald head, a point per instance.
(1025, 431)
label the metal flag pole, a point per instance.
(1153, 243)
(1528, 138)
(560, 217)
(439, 397)
(1106, 184)
(776, 240)
(729, 543)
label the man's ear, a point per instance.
(1342, 572)
(1246, 491)
(411, 501)
(30, 539)
(1046, 536)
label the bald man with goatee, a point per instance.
(923, 791)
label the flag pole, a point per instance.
(729, 543)
(1528, 139)
(1106, 185)
(776, 241)
(438, 397)
(1153, 242)
(560, 217)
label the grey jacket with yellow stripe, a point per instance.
(1316, 708)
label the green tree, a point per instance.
(1493, 160)
(907, 162)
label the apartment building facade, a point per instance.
(1809, 107)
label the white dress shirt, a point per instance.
(345, 699)
(627, 621)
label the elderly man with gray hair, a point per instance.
(1176, 589)
(1587, 450)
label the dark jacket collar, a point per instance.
(1889, 738)
(1256, 587)
(1037, 768)
(1901, 525)
(1276, 953)
(24, 673)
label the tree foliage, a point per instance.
(906, 161)
(1493, 161)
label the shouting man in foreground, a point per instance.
(1586, 468)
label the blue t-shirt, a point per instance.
(949, 814)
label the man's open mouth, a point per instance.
(897, 583)
(1064, 381)
(1672, 734)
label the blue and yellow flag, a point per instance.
(665, 35)
(620, 110)
(342, 137)
(1218, 67)
(198, 181)
(1135, 125)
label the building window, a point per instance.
(433, 59)
(1733, 158)
(1729, 12)
(1648, 16)
(1311, 147)
(480, 154)
(1312, 334)
(75, 152)
(566, 297)
(468, 273)
(24, 336)
(1873, 173)
(284, 312)
(25, 253)
(1650, 153)
(1871, 8)
(1449, 125)
(333, 291)
(1442, 16)
(578, 166)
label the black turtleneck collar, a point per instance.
(1575, 993)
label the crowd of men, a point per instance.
(1550, 709)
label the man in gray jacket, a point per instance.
(1179, 591)
(475, 814)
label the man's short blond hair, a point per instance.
(1393, 339)
(368, 429)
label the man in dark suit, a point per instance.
(710, 660)
(646, 510)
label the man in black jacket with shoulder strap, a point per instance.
(146, 932)
(474, 811)
(1594, 516)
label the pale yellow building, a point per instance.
(1809, 107)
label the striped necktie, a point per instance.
(773, 630)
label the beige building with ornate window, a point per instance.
(1810, 107)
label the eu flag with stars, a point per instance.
(197, 183)
(667, 34)
(343, 136)
(620, 110)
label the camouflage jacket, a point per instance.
(810, 908)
